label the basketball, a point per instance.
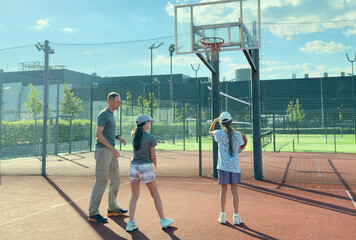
(245, 140)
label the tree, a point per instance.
(34, 105)
(70, 104)
(294, 111)
(127, 104)
(340, 109)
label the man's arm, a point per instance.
(99, 135)
(118, 137)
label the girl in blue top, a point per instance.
(229, 172)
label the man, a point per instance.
(107, 165)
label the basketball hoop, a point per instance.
(211, 47)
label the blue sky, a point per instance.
(298, 36)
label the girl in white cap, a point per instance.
(229, 172)
(142, 170)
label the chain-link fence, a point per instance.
(309, 114)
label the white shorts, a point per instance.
(141, 173)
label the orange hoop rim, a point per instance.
(211, 46)
(211, 43)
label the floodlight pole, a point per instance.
(353, 89)
(171, 51)
(1, 108)
(45, 108)
(57, 120)
(198, 122)
(151, 99)
(47, 50)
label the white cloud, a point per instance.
(292, 18)
(178, 60)
(349, 32)
(320, 47)
(69, 30)
(279, 3)
(170, 9)
(42, 23)
(276, 70)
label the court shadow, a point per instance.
(101, 229)
(136, 234)
(170, 231)
(308, 190)
(299, 199)
(62, 158)
(250, 232)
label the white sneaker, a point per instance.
(131, 225)
(222, 218)
(165, 222)
(237, 219)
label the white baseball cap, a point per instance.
(225, 117)
(143, 118)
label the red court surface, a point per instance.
(56, 206)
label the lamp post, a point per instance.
(92, 85)
(157, 82)
(47, 50)
(353, 90)
(143, 94)
(152, 47)
(171, 51)
(198, 118)
(1, 108)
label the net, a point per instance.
(211, 47)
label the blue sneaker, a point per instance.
(165, 222)
(98, 219)
(116, 212)
(131, 225)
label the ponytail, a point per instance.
(229, 130)
(137, 132)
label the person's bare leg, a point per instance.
(152, 187)
(235, 197)
(223, 191)
(135, 193)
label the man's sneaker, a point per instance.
(165, 222)
(116, 212)
(98, 219)
(237, 219)
(222, 218)
(131, 225)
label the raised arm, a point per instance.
(212, 127)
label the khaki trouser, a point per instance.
(107, 168)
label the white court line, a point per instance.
(50, 208)
(44, 210)
(352, 200)
(317, 164)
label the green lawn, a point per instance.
(284, 142)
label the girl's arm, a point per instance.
(212, 127)
(153, 157)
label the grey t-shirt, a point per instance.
(143, 155)
(106, 119)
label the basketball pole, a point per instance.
(256, 110)
(216, 109)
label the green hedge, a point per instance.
(30, 132)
